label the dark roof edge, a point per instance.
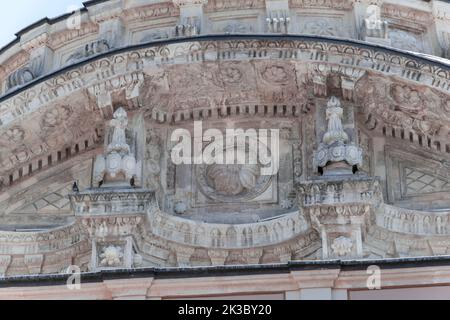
(223, 271)
(221, 37)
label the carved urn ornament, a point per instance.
(335, 153)
(119, 166)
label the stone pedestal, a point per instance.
(112, 219)
(340, 210)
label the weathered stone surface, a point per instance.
(364, 150)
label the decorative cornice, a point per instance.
(39, 41)
(406, 14)
(61, 38)
(329, 4)
(188, 232)
(181, 3)
(364, 57)
(153, 11)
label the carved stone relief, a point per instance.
(401, 105)
(406, 40)
(328, 27)
(417, 182)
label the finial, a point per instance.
(334, 114)
(118, 166)
(335, 154)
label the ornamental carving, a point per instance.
(232, 182)
(15, 134)
(111, 256)
(119, 165)
(152, 160)
(20, 78)
(320, 28)
(57, 116)
(401, 105)
(231, 74)
(88, 50)
(192, 215)
(342, 246)
(275, 74)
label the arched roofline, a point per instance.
(421, 58)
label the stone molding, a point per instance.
(155, 13)
(261, 234)
(101, 74)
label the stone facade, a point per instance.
(358, 91)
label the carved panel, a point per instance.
(330, 26)
(406, 40)
(401, 105)
(416, 181)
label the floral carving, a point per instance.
(231, 75)
(15, 134)
(408, 100)
(286, 204)
(320, 27)
(111, 256)
(236, 27)
(277, 74)
(413, 108)
(342, 246)
(56, 117)
(232, 180)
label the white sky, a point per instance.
(18, 14)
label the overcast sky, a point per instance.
(18, 14)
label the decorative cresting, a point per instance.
(335, 152)
(118, 166)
